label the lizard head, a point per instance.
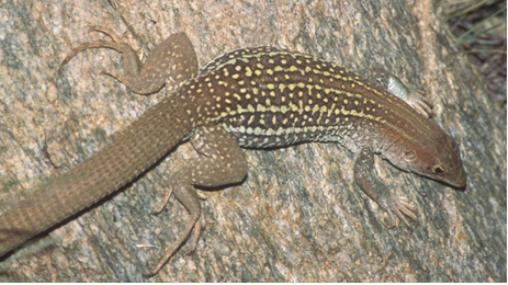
(437, 158)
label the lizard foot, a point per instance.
(175, 246)
(399, 209)
(420, 103)
(163, 203)
(412, 96)
(131, 62)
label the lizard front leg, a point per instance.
(366, 178)
(221, 162)
(171, 62)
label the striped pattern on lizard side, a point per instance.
(269, 98)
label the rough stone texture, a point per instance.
(299, 216)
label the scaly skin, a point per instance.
(256, 98)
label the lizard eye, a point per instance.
(409, 156)
(438, 170)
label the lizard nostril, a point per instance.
(438, 170)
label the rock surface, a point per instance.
(298, 216)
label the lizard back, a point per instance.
(268, 97)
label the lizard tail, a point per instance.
(130, 153)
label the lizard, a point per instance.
(260, 97)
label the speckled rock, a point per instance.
(298, 216)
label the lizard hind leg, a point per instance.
(221, 163)
(170, 63)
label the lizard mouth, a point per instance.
(457, 180)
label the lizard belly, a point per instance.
(269, 132)
(259, 137)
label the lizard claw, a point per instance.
(107, 32)
(196, 233)
(201, 196)
(162, 204)
(421, 104)
(402, 209)
(109, 74)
